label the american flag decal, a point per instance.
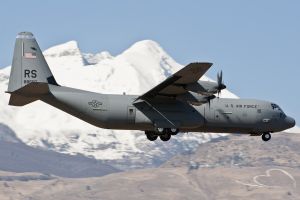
(30, 55)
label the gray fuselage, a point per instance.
(122, 112)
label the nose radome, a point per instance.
(290, 121)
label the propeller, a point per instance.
(209, 98)
(220, 83)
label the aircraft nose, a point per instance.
(290, 121)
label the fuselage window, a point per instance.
(131, 111)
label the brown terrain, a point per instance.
(233, 167)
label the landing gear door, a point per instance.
(131, 114)
(224, 117)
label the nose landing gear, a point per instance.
(266, 136)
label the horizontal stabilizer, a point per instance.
(18, 100)
(32, 90)
(27, 94)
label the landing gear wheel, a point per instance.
(266, 137)
(165, 137)
(160, 130)
(151, 137)
(174, 131)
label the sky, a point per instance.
(256, 43)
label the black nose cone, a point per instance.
(290, 122)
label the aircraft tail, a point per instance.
(30, 73)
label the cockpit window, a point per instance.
(276, 107)
(282, 115)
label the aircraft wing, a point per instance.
(175, 84)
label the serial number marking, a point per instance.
(29, 81)
(241, 106)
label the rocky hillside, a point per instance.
(235, 167)
(283, 150)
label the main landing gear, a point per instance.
(266, 136)
(163, 133)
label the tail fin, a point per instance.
(29, 71)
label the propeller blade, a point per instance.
(220, 83)
(209, 98)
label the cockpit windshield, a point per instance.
(277, 108)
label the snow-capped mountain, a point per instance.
(135, 71)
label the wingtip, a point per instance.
(202, 63)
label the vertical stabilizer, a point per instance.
(28, 67)
(29, 64)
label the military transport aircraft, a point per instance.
(181, 103)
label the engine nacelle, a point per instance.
(203, 87)
(195, 98)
